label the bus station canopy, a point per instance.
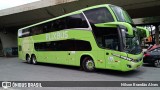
(42, 10)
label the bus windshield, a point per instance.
(122, 15)
(109, 37)
(99, 15)
(133, 44)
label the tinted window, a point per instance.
(25, 32)
(74, 21)
(121, 14)
(20, 33)
(82, 46)
(99, 15)
(107, 38)
(59, 24)
(64, 45)
(36, 30)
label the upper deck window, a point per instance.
(99, 15)
(68, 22)
(25, 32)
(20, 33)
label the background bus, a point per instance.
(102, 36)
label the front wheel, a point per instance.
(88, 64)
(157, 63)
(34, 60)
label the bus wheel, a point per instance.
(28, 59)
(157, 63)
(34, 60)
(88, 64)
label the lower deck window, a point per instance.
(64, 45)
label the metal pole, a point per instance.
(152, 42)
(157, 34)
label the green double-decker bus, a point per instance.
(102, 36)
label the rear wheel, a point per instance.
(34, 60)
(88, 64)
(157, 63)
(28, 59)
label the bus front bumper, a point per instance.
(132, 66)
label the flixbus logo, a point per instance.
(57, 35)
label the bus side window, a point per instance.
(20, 33)
(77, 21)
(47, 27)
(33, 31)
(55, 25)
(59, 24)
(83, 45)
(112, 43)
(84, 23)
(36, 30)
(26, 32)
(64, 45)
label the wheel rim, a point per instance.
(28, 59)
(157, 63)
(90, 65)
(34, 60)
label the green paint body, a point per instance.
(101, 60)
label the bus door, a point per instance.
(112, 48)
(114, 44)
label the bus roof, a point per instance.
(72, 13)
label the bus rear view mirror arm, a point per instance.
(129, 29)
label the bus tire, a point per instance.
(28, 59)
(34, 59)
(88, 64)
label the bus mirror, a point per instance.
(143, 32)
(128, 27)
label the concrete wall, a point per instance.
(138, 21)
(1, 48)
(32, 6)
(8, 40)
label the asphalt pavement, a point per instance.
(12, 69)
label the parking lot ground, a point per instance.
(12, 69)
